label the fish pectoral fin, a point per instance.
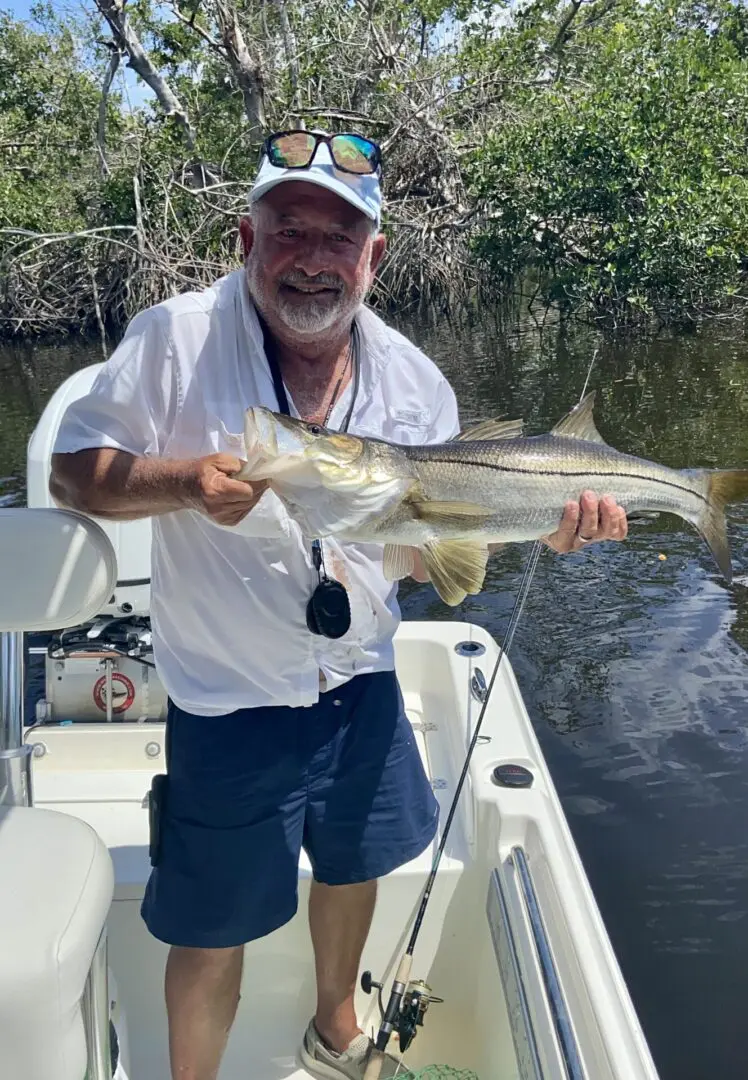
(492, 429)
(448, 512)
(579, 423)
(456, 568)
(399, 561)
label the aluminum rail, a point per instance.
(552, 983)
(15, 758)
(95, 1006)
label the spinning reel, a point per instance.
(406, 1008)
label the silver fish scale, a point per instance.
(526, 482)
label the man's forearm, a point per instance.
(117, 486)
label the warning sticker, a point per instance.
(123, 692)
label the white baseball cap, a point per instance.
(360, 190)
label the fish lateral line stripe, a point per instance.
(584, 472)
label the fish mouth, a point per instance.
(269, 444)
(280, 434)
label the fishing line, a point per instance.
(587, 380)
(400, 983)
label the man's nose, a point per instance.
(312, 258)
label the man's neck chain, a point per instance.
(339, 383)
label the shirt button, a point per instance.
(337, 701)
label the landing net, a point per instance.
(438, 1072)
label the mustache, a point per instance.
(298, 277)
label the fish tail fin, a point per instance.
(721, 487)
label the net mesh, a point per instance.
(438, 1072)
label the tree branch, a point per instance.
(563, 27)
(126, 38)
(192, 25)
(247, 72)
(114, 61)
(290, 49)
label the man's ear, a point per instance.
(378, 247)
(247, 233)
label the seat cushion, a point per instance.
(57, 568)
(57, 886)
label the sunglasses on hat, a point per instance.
(296, 149)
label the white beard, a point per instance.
(314, 316)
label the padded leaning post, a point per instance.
(57, 568)
(57, 885)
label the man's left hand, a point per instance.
(587, 520)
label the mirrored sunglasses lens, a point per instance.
(292, 150)
(354, 153)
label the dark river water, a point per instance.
(631, 657)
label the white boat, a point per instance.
(512, 939)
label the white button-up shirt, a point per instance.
(228, 604)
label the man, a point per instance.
(278, 736)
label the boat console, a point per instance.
(103, 669)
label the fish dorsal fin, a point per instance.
(491, 429)
(579, 423)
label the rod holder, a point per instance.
(15, 776)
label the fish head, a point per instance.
(282, 446)
(330, 482)
(332, 451)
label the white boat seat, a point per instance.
(57, 569)
(58, 884)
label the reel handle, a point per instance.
(391, 1015)
(368, 983)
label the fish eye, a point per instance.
(315, 429)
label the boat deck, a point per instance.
(480, 948)
(101, 773)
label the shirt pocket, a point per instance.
(406, 426)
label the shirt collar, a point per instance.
(376, 350)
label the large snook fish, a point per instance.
(489, 485)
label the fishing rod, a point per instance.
(408, 1001)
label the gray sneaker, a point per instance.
(320, 1060)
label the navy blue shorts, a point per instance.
(246, 791)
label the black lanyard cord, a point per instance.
(280, 389)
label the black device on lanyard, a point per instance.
(328, 611)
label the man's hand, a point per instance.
(216, 495)
(588, 520)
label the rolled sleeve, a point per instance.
(133, 399)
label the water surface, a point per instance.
(633, 666)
